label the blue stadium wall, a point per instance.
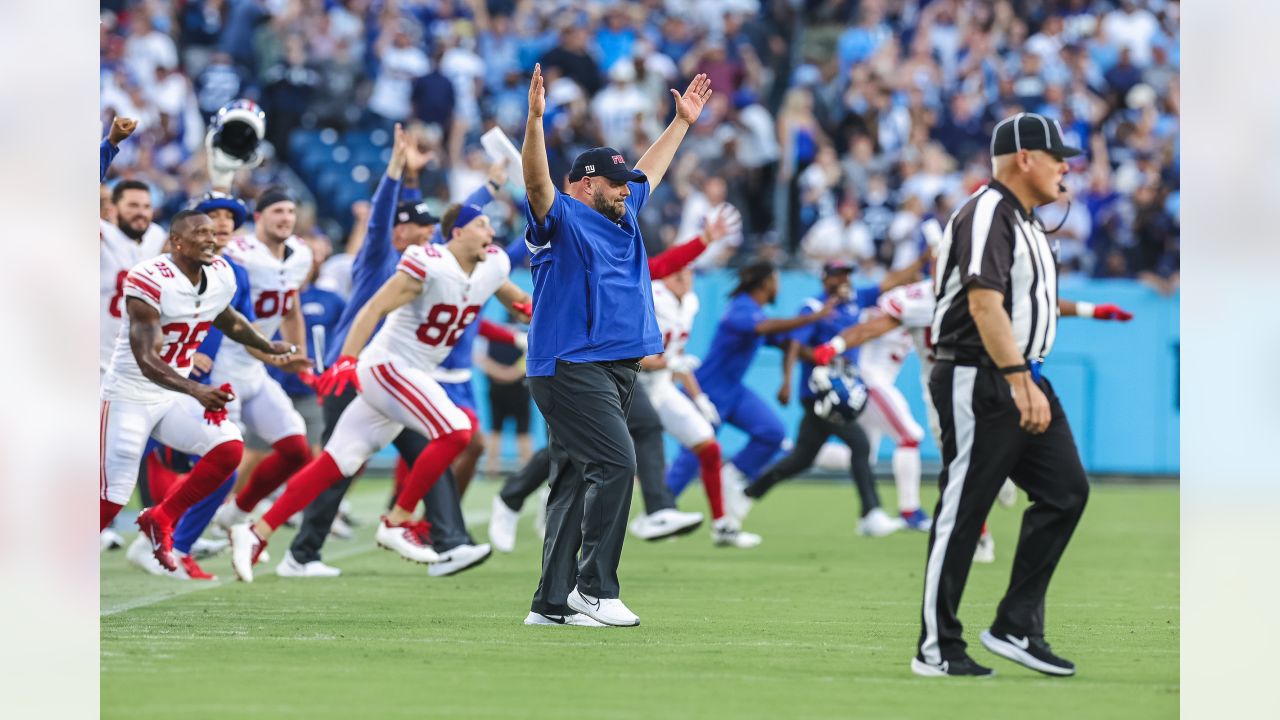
(1118, 381)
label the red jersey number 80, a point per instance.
(270, 303)
(446, 323)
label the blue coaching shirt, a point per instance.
(843, 316)
(592, 295)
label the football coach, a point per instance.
(593, 320)
(994, 325)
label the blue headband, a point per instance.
(466, 214)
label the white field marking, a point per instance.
(363, 545)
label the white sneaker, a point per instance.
(109, 539)
(291, 568)
(340, 529)
(463, 557)
(732, 486)
(403, 539)
(609, 611)
(139, 554)
(206, 547)
(1008, 495)
(986, 550)
(665, 523)
(727, 533)
(246, 549)
(877, 523)
(540, 515)
(229, 515)
(578, 619)
(502, 526)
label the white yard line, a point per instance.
(186, 587)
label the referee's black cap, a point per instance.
(1030, 131)
(603, 162)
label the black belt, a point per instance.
(631, 363)
(962, 357)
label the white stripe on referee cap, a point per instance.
(1048, 138)
(1017, 135)
(962, 379)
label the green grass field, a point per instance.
(816, 623)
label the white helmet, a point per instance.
(238, 129)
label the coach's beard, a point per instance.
(609, 210)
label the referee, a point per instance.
(994, 324)
(593, 320)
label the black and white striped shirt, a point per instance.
(991, 242)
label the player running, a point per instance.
(435, 293)
(170, 303)
(277, 263)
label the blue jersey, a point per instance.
(319, 307)
(732, 349)
(242, 301)
(106, 153)
(843, 316)
(592, 294)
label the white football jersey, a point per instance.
(423, 332)
(273, 288)
(880, 360)
(186, 313)
(118, 253)
(675, 317)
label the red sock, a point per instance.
(160, 479)
(429, 466)
(401, 476)
(709, 460)
(984, 527)
(303, 487)
(212, 470)
(107, 512)
(291, 455)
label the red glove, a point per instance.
(308, 378)
(526, 308)
(1107, 311)
(334, 380)
(217, 416)
(824, 354)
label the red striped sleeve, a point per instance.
(412, 268)
(144, 286)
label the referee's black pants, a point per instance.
(593, 461)
(982, 444)
(443, 504)
(812, 435)
(646, 434)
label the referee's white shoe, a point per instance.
(1031, 652)
(609, 611)
(576, 619)
(665, 523)
(960, 667)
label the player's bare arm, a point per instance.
(987, 308)
(516, 300)
(657, 158)
(399, 290)
(788, 367)
(908, 274)
(147, 340)
(868, 330)
(781, 325)
(293, 329)
(533, 154)
(238, 328)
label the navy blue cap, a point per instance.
(604, 162)
(831, 267)
(415, 212)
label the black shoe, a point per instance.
(1028, 651)
(959, 667)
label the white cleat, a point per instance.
(109, 539)
(540, 515)
(1008, 495)
(502, 526)
(206, 547)
(140, 554)
(291, 568)
(341, 529)
(726, 533)
(576, 619)
(609, 611)
(229, 515)
(403, 539)
(463, 557)
(246, 550)
(665, 523)
(733, 485)
(877, 523)
(986, 550)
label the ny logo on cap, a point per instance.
(421, 207)
(618, 160)
(591, 169)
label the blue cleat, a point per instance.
(917, 520)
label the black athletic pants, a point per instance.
(812, 435)
(444, 508)
(982, 444)
(646, 434)
(593, 461)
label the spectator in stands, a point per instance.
(839, 236)
(400, 61)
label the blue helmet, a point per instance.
(216, 200)
(238, 128)
(839, 394)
